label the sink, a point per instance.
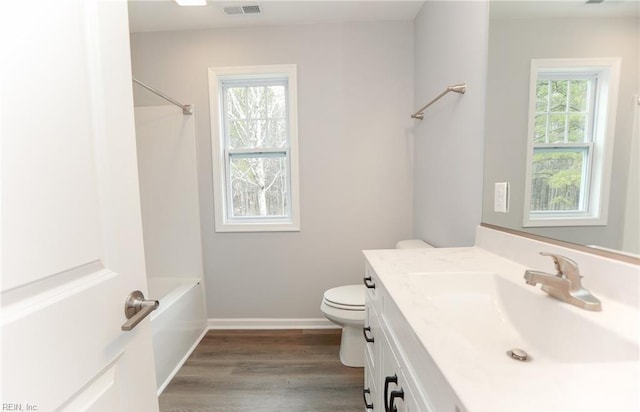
(491, 315)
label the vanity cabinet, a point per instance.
(399, 374)
(373, 336)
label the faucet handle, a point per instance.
(565, 267)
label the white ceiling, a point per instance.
(520, 9)
(166, 15)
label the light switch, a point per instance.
(501, 197)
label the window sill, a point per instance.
(558, 221)
(232, 227)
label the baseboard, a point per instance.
(270, 323)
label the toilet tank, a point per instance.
(412, 244)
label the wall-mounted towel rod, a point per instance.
(186, 108)
(458, 88)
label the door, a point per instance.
(71, 227)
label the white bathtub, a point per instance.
(178, 324)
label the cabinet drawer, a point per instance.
(397, 388)
(372, 334)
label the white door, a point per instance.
(71, 228)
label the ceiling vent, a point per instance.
(236, 10)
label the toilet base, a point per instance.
(352, 347)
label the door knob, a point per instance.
(136, 308)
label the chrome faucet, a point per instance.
(565, 284)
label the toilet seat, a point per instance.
(349, 297)
(344, 307)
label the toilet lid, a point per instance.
(347, 297)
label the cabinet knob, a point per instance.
(388, 380)
(368, 282)
(367, 405)
(394, 396)
(366, 337)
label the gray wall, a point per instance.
(513, 43)
(450, 46)
(354, 99)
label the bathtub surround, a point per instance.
(450, 47)
(355, 95)
(171, 228)
(178, 324)
(166, 146)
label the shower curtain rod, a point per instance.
(186, 108)
(458, 88)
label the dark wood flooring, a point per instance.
(284, 371)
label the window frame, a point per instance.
(222, 155)
(599, 148)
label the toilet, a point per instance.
(344, 306)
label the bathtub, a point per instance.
(178, 324)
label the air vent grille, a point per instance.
(251, 9)
(237, 10)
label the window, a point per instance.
(571, 128)
(254, 142)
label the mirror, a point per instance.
(520, 31)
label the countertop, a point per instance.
(487, 380)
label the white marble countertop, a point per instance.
(492, 382)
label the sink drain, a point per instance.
(518, 354)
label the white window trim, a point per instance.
(267, 224)
(601, 157)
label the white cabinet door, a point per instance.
(391, 379)
(397, 393)
(71, 228)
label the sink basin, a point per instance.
(491, 315)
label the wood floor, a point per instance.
(284, 371)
